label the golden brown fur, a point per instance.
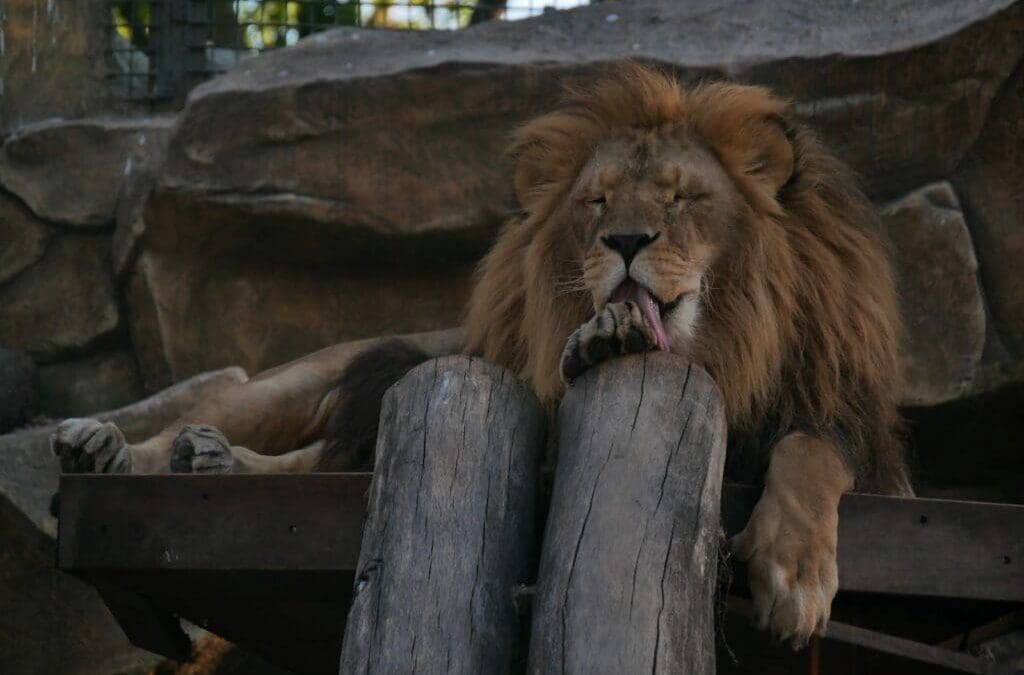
(800, 326)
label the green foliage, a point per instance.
(132, 21)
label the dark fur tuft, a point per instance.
(351, 432)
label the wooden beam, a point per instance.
(211, 523)
(629, 562)
(961, 550)
(145, 624)
(450, 529)
(929, 547)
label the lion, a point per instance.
(706, 221)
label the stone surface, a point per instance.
(51, 63)
(297, 184)
(23, 237)
(83, 387)
(70, 172)
(18, 396)
(257, 307)
(942, 302)
(63, 303)
(137, 182)
(50, 622)
(989, 181)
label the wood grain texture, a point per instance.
(629, 561)
(450, 528)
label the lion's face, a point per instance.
(649, 217)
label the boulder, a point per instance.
(51, 63)
(69, 172)
(346, 186)
(23, 237)
(85, 386)
(144, 162)
(989, 181)
(943, 307)
(63, 303)
(51, 622)
(18, 397)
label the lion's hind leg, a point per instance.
(201, 448)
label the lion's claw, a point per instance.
(201, 449)
(617, 329)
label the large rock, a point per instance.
(329, 190)
(23, 237)
(65, 302)
(235, 302)
(88, 385)
(141, 169)
(50, 622)
(70, 172)
(990, 181)
(18, 397)
(942, 302)
(51, 63)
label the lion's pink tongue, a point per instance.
(630, 290)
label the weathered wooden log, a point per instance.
(629, 560)
(450, 529)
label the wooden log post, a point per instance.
(450, 528)
(629, 561)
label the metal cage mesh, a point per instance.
(159, 49)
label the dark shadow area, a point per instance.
(970, 449)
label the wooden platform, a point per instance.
(268, 561)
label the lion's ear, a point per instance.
(529, 174)
(767, 153)
(547, 152)
(748, 128)
(757, 148)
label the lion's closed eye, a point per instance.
(689, 197)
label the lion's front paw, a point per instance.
(617, 329)
(790, 552)
(201, 449)
(90, 446)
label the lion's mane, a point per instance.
(801, 329)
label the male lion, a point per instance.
(704, 221)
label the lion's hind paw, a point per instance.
(90, 446)
(201, 449)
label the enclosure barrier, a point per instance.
(270, 561)
(629, 561)
(450, 529)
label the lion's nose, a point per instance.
(628, 245)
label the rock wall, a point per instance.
(60, 185)
(374, 154)
(347, 186)
(52, 62)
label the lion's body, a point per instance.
(761, 261)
